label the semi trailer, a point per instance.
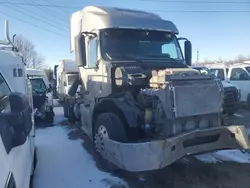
(136, 97)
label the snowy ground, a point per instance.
(66, 162)
(63, 163)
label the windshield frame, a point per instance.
(140, 58)
(248, 69)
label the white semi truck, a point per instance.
(67, 72)
(139, 101)
(17, 132)
(42, 95)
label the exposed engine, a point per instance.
(175, 100)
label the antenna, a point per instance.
(6, 40)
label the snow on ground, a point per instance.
(225, 155)
(64, 163)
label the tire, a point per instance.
(65, 109)
(116, 132)
(248, 102)
(71, 115)
(49, 117)
(113, 125)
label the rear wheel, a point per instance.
(71, 115)
(49, 116)
(109, 126)
(248, 101)
(65, 109)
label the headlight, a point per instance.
(238, 93)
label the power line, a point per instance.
(204, 11)
(37, 26)
(44, 8)
(32, 16)
(41, 5)
(57, 6)
(199, 2)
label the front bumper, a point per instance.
(161, 153)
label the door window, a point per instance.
(219, 73)
(4, 93)
(92, 53)
(239, 74)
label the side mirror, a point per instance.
(188, 52)
(17, 124)
(80, 50)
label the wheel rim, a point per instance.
(102, 132)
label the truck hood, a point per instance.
(226, 84)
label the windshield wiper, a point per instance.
(125, 57)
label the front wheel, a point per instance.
(108, 126)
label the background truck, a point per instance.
(55, 81)
(238, 75)
(232, 93)
(67, 72)
(139, 102)
(42, 95)
(17, 132)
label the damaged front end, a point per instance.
(182, 117)
(157, 154)
(42, 100)
(44, 107)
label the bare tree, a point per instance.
(28, 52)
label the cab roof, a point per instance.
(93, 18)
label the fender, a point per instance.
(127, 110)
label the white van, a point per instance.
(238, 75)
(17, 132)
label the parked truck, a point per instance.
(139, 101)
(17, 131)
(232, 94)
(237, 74)
(67, 72)
(42, 95)
(55, 81)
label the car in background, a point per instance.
(232, 93)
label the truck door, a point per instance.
(92, 79)
(240, 78)
(93, 75)
(15, 162)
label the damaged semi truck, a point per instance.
(138, 100)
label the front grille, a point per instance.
(230, 97)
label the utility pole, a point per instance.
(197, 56)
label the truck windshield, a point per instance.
(38, 85)
(141, 44)
(72, 78)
